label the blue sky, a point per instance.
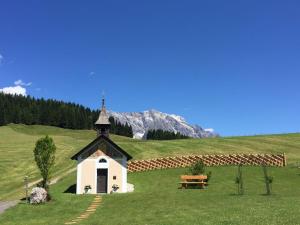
(229, 65)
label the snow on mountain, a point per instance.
(141, 122)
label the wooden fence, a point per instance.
(209, 160)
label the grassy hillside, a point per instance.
(157, 200)
(17, 143)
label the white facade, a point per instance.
(87, 174)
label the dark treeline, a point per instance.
(164, 135)
(119, 129)
(28, 110)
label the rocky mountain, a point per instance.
(141, 122)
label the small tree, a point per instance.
(239, 181)
(44, 155)
(268, 180)
(198, 168)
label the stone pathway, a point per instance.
(7, 204)
(90, 210)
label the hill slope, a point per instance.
(17, 143)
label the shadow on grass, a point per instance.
(267, 195)
(71, 189)
(235, 194)
(239, 195)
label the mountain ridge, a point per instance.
(142, 122)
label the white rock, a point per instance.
(38, 195)
(130, 187)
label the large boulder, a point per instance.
(38, 195)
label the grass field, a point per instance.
(157, 200)
(17, 143)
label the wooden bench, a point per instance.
(193, 180)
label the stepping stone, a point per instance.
(83, 217)
(91, 210)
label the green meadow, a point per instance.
(157, 200)
(17, 143)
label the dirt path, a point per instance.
(20, 193)
(53, 180)
(7, 204)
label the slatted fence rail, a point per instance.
(209, 160)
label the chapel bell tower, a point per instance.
(102, 125)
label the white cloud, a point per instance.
(18, 82)
(21, 83)
(209, 130)
(16, 90)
